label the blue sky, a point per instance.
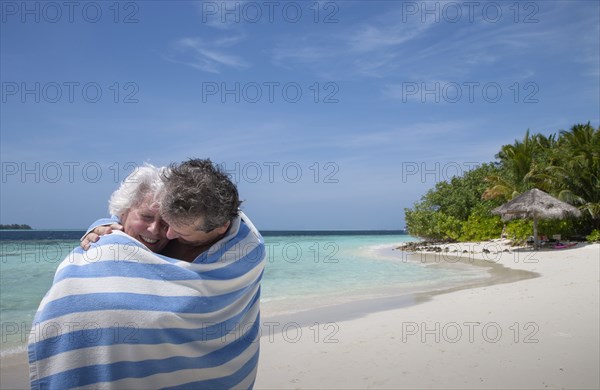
(330, 115)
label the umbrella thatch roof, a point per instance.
(535, 204)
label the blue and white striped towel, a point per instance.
(120, 316)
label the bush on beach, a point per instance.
(594, 236)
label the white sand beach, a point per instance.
(537, 333)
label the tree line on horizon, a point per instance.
(565, 165)
(15, 226)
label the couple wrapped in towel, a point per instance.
(121, 316)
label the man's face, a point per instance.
(189, 235)
(145, 224)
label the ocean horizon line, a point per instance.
(66, 234)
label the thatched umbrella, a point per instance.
(535, 204)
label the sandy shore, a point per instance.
(14, 372)
(539, 332)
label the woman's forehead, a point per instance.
(147, 203)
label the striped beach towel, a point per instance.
(120, 316)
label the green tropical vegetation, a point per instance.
(565, 165)
(594, 235)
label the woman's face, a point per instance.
(144, 223)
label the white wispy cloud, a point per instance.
(366, 49)
(207, 56)
(383, 34)
(390, 46)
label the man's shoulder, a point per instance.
(245, 221)
(242, 239)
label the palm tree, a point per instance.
(519, 162)
(577, 168)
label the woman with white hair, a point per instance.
(135, 205)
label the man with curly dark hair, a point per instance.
(199, 203)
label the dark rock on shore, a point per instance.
(417, 246)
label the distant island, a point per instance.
(15, 226)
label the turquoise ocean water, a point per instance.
(304, 270)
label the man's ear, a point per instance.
(223, 229)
